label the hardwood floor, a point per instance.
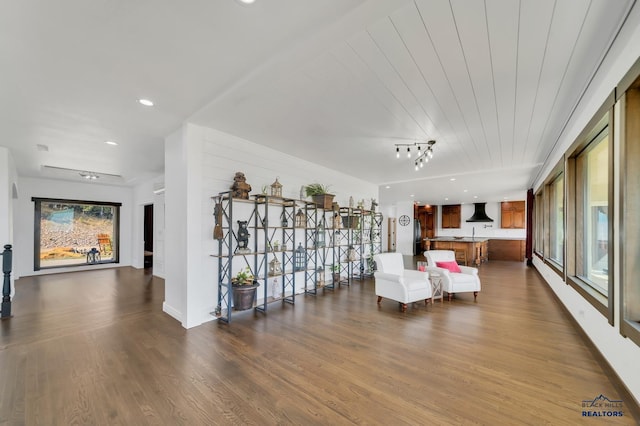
(95, 348)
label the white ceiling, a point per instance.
(336, 82)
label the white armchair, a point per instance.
(453, 282)
(399, 284)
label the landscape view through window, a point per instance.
(75, 233)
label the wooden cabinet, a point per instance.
(451, 216)
(513, 214)
(507, 249)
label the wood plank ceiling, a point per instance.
(493, 82)
(335, 82)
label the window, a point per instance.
(630, 255)
(592, 214)
(589, 222)
(72, 233)
(539, 228)
(556, 220)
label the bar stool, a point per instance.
(461, 256)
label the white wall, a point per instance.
(8, 190)
(404, 234)
(7, 180)
(175, 173)
(201, 162)
(143, 195)
(42, 188)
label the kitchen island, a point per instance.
(475, 249)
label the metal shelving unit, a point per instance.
(371, 242)
(325, 244)
(265, 216)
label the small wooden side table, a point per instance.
(436, 286)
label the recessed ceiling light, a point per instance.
(112, 143)
(446, 199)
(475, 196)
(247, 1)
(89, 175)
(412, 195)
(145, 102)
(452, 179)
(387, 187)
(466, 190)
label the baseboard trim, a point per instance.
(171, 311)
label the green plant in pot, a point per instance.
(320, 195)
(244, 289)
(244, 277)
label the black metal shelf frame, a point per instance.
(270, 218)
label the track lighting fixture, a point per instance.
(422, 155)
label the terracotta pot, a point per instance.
(324, 201)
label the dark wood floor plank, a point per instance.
(95, 348)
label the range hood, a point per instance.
(479, 215)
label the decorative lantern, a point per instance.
(276, 189)
(320, 272)
(299, 262)
(275, 268)
(320, 236)
(301, 220)
(283, 220)
(351, 254)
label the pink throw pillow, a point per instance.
(452, 266)
(421, 268)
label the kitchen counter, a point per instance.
(480, 249)
(469, 251)
(461, 240)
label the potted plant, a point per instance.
(320, 195)
(244, 288)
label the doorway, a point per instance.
(391, 234)
(426, 218)
(148, 236)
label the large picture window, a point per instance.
(630, 282)
(556, 220)
(590, 223)
(538, 246)
(72, 233)
(592, 213)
